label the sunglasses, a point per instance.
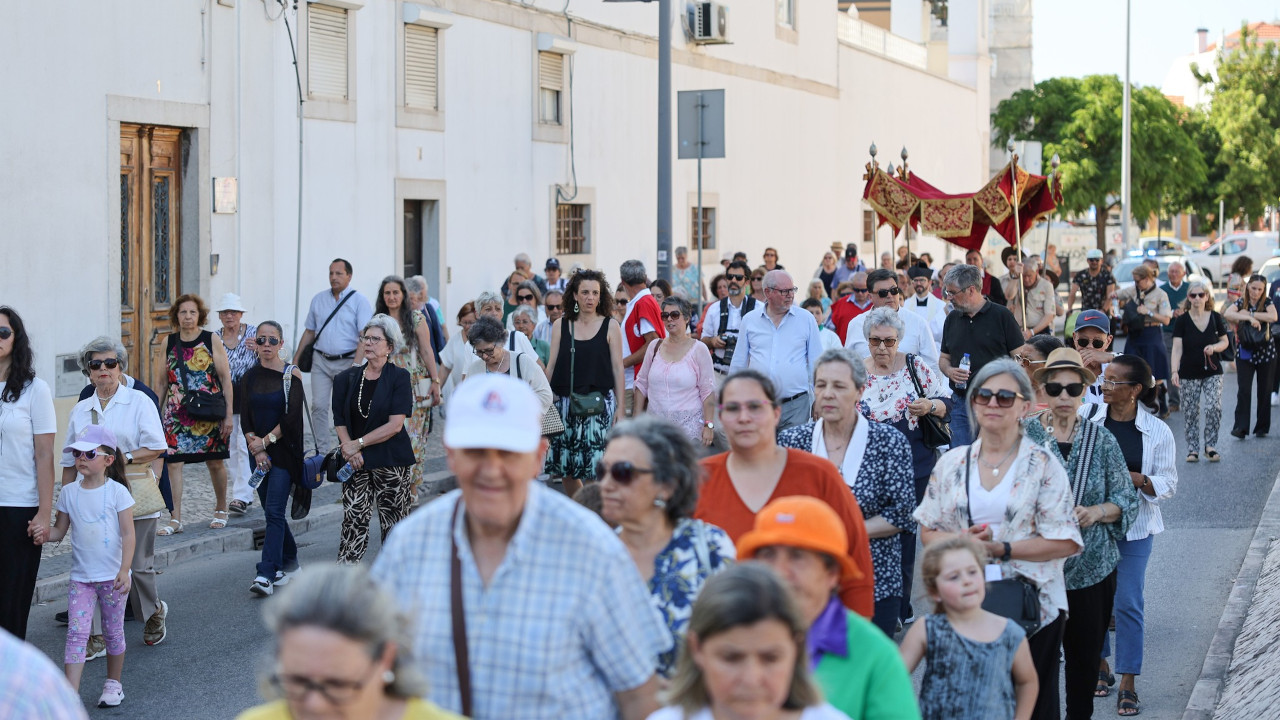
(858, 289)
(523, 298)
(1096, 343)
(670, 315)
(6, 333)
(621, 472)
(887, 293)
(556, 306)
(739, 277)
(87, 454)
(1023, 359)
(267, 341)
(1075, 389)
(620, 301)
(882, 342)
(1004, 398)
(1191, 295)
(111, 363)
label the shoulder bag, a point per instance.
(936, 431)
(581, 404)
(1251, 338)
(1013, 598)
(200, 404)
(551, 422)
(1133, 320)
(307, 354)
(460, 655)
(144, 486)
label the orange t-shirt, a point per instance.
(804, 474)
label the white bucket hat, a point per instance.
(230, 301)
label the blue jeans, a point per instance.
(279, 551)
(960, 434)
(1131, 580)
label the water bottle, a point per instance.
(964, 365)
(345, 473)
(256, 478)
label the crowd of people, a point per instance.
(768, 474)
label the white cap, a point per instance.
(230, 301)
(494, 410)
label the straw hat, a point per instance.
(1064, 359)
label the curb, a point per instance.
(236, 539)
(1213, 675)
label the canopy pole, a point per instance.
(1017, 229)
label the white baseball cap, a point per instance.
(494, 410)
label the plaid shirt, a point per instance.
(564, 623)
(31, 687)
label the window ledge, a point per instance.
(420, 119)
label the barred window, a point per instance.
(573, 228)
(704, 231)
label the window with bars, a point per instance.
(573, 228)
(326, 52)
(550, 86)
(704, 228)
(421, 67)
(868, 225)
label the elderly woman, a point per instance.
(1253, 309)
(27, 427)
(891, 397)
(133, 418)
(417, 357)
(340, 652)
(676, 381)
(1013, 496)
(857, 667)
(745, 618)
(237, 341)
(457, 352)
(197, 364)
(527, 295)
(370, 405)
(491, 305)
(524, 322)
(273, 418)
(486, 337)
(874, 460)
(586, 361)
(1149, 453)
(648, 478)
(1106, 504)
(757, 469)
(1147, 308)
(1199, 336)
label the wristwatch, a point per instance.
(361, 441)
(128, 457)
(709, 425)
(1008, 553)
(271, 439)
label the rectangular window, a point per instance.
(550, 85)
(787, 13)
(868, 225)
(704, 231)
(326, 52)
(421, 74)
(572, 223)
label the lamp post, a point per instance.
(1126, 144)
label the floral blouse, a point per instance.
(886, 397)
(697, 551)
(1106, 480)
(1040, 505)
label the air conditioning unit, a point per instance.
(709, 23)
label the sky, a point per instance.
(1086, 37)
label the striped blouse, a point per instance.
(1158, 453)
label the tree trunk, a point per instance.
(1103, 212)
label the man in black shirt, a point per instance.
(977, 327)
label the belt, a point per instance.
(344, 356)
(797, 396)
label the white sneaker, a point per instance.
(282, 577)
(261, 586)
(112, 694)
(1275, 399)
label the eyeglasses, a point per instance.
(1096, 343)
(949, 293)
(556, 306)
(371, 339)
(786, 291)
(338, 692)
(1023, 359)
(111, 363)
(524, 298)
(859, 289)
(87, 454)
(887, 293)
(882, 342)
(738, 276)
(1004, 398)
(486, 352)
(752, 408)
(670, 315)
(1075, 389)
(621, 472)
(6, 333)
(1194, 295)
(267, 341)
(1112, 384)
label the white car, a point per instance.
(1215, 261)
(1161, 246)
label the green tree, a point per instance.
(1080, 120)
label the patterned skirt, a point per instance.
(575, 451)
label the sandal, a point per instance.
(1127, 700)
(1194, 457)
(238, 507)
(171, 528)
(1212, 455)
(219, 520)
(1105, 681)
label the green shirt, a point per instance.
(543, 348)
(870, 683)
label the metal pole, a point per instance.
(1017, 229)
(699, 232)
(1126, 169)
(906, 177)
(664, 140)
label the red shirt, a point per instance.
(844, 311)
(804, 474)
(644, 307)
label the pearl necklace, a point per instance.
(360, 399)
(995, 469)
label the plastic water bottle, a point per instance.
(345, 473)
(256, 478)
(964, 365)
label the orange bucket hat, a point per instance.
(803, 522)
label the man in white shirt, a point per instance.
(781, 340)
(724, 317)
(917, 338)
(333, 323)
(929, 307)
(553, 303)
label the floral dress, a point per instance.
(419, 423)
(190, 440)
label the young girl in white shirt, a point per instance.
(101, 553)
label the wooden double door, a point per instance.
(150, 244)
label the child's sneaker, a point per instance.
(95, 648)
(112, 694)
(261, 586)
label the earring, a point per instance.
(575, 306)
(659, 503)
(388, 677)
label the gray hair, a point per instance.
(416, 284)
(964, 276)
(345, 599)
(525, 310)
(682, 250)
(486, 329)
(523, 259)
(883, 317)
(842, 356)
(770, 279)
(102, 344)
(675, 462)
(632, 273)
(1002, 366)
(488, 297)
(390, 329)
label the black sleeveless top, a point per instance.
(592, 368)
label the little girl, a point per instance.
(979, 664)
(101, 553)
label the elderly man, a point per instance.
(782, 341)
(641, 324)
(991, 288)
(844, 311)
(553, 304)
(553, 619)
(421, 300)
(525, 265)
(1024, 282)
(924, 303)
(1176, 288)
(333, 324)
(724, 318)
(917, 338)
(1095, 285)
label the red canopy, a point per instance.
(961, 219)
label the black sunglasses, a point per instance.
(1191, 295)
(887, 293)
(858, 289)
(670, 315)
(111, 363)
(556, 306)
(1096, 343)
(6, 333)
(522, 298)
(1004, 398)
(1075, 389)
(272, 341)
(738, 277)
(621, 472)
(87, 454)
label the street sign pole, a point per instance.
(664, 140)
(698, 234)
(700, 124)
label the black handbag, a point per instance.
(200, 404)
(581, 404)
(936, 432)
(1251, 338)
(1132, 320)
(1013, 598)
(306, 355)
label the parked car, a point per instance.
(1161, 246)
(1270, 269)
(1123, 274)
(1215, 261)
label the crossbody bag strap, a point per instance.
(460, 655)
(515, 363)
(568, 324)
(325, 324)
(1088, 442)
(968, 511)
(911, 370)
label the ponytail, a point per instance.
(116, 470)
